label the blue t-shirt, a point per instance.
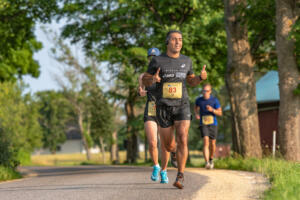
(206, 117)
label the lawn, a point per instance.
(77, 159)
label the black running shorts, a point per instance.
(209, 130)
(166, 115)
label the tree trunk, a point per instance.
(289, 78)
(102, 148)
(84, 140)
(132, 143)
(240, 82)
(114, 148)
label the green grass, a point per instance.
(284, 176)
(76, 159)
(8, 174)
(96, 159)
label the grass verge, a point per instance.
(8, 174)
(97, 159)
(284, 176)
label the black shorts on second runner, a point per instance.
(209, 130)
(166, 115)
(150, 112)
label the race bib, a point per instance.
(172, 90)
(207, 119)
(151, 108)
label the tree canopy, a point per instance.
(17, 39)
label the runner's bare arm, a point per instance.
(195, 80)
(149, 79)
(217, 111)
(141, 81)
(141, 90)
(197, 111)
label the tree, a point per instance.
(92, 110)
(18, 43)
(240, 81)
(287, 22)
(20, 132)
(54, 114)
(75, 92)
(102, 119)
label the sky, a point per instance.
(48, 66)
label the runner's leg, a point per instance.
(182, 130)
(168, 144)
(151, 132)
(212, 148)
(206, 148)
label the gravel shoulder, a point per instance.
(229, 184)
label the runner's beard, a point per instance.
(175, 50)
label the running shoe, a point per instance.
(179, 181)
(174, 159)
(207, 165)
(164, 176)
(211, 163)
(155, 172)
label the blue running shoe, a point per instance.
(154, 176)
(164, 176)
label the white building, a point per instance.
(73, 144)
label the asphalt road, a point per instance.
(98, 182)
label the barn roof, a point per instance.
(267, 88)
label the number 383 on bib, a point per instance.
(172, 90)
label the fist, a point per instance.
(209, 108)
(142, 92)
(156, 77)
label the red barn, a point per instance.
(267, 96)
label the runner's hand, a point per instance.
(197, 117)
(209, 108)
(156, 77)
(142, 92)
(203, 73)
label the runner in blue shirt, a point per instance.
(207, 108)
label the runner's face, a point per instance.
(206, 92)
(175, 43)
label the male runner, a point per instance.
(170, 72)
(151, 126)
(207, 108)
